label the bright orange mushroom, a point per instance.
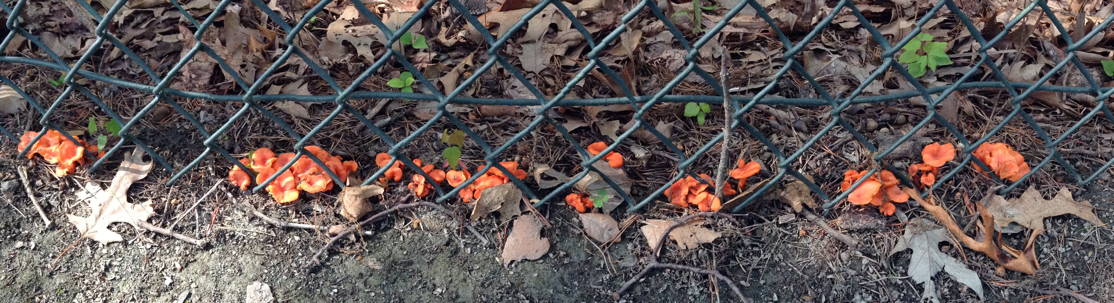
(744, 170)
(284, 189)
(579, 202)
(1006, 162)
(865, 193)
(457, 177)
(937, 154)
(615, 160)
(262, 157)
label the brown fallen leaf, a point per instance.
(111, 205)
(599, 227)
(797, 195)
(609, 128)
(594, 183)
(495, 198)
(293, 109)
(353, 200)
(547, 177)
(687, 236)
(525, 241)
(10, 101)
(1030, 210)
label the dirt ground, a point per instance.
(423, 256)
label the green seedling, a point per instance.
(921, 54)
(417, 41)
(698, 110)
(455, 143)
(403, 82)
(1108, 67)
(696, 13)
(109, 127)
(599, 198)
(58, 82)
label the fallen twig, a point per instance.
(167, 232)
(382, 215)
(655, 264)
(198, 202)
(847, 240)
(284, 224)
(34, 201)
(727, 112)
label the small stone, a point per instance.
(871, 124)
(800, 125)
(7, 186)
(899, 119)
(259, 292)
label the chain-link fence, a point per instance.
(253, 98)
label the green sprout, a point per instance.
(110, 128)
(1108, 67)
(417, 41)
(698, 110)
(402, 82)
(696, 13)
(922, 52)
(455, 142)
(58, 82)
(599, 198)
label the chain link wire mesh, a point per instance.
(253, 99)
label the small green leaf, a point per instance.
(456, 138)
(112, 127)
(92, 127)
(313, 19)
(451, 155)
(1108, 67)
(55, 83)
(102, 141)
(937, 48)
(420, 42)
(700, 119)
(408, 81)
(917, 68)
(599, 198)
(396, 83)
(407, 89)
(705, 108)
(710, 7)
(924, 37)
(406, 39)
(691, 109)
(908, 56)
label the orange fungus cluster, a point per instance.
(304, 175)
(418, 183)
(614, 159)
(56, 149)
(1006, 162)
(581, 202)
(880, 190)
(691, 192)
(934, 156)
(491, 178)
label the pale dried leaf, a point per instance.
(294, 109)
(525, 241)
(686, 236)
(797, 196)
(547, 177)
(609, 128)
(594, 183)
(353, 200)
(494, 198)
(924, 237)
(599, 227)
(111, 205)
(1030, 210)
(10, 101)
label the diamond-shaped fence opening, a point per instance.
(216, 95)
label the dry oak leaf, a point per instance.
(599, 227)
(497, 198)
(924, 237)
(525, 241)
(353, 200)
(687, 236)
(1030, 210)
(797, 196)
(111, 205)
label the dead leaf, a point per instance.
(665, 128)
(686, 236)
(525, 241)
(599, 227)
(495, 198)
(111, 205)
(609, 128)
(353, 200)
(10, 101)
(542, 171)
(294, 109)
(924, 237)
(1030, 210)
(797, 195)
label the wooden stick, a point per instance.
(167, 232)
(34, 201)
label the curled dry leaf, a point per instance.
(496, 198)
(525, 241)
(353, 200)
(111, 205)
(599, 227)
(1030, 210)
(547, 177)
(797, 196)
(924, 237)
(687, 236)
(10, 101)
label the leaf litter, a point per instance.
(525, 241)
(924, 237)
(111, 205)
